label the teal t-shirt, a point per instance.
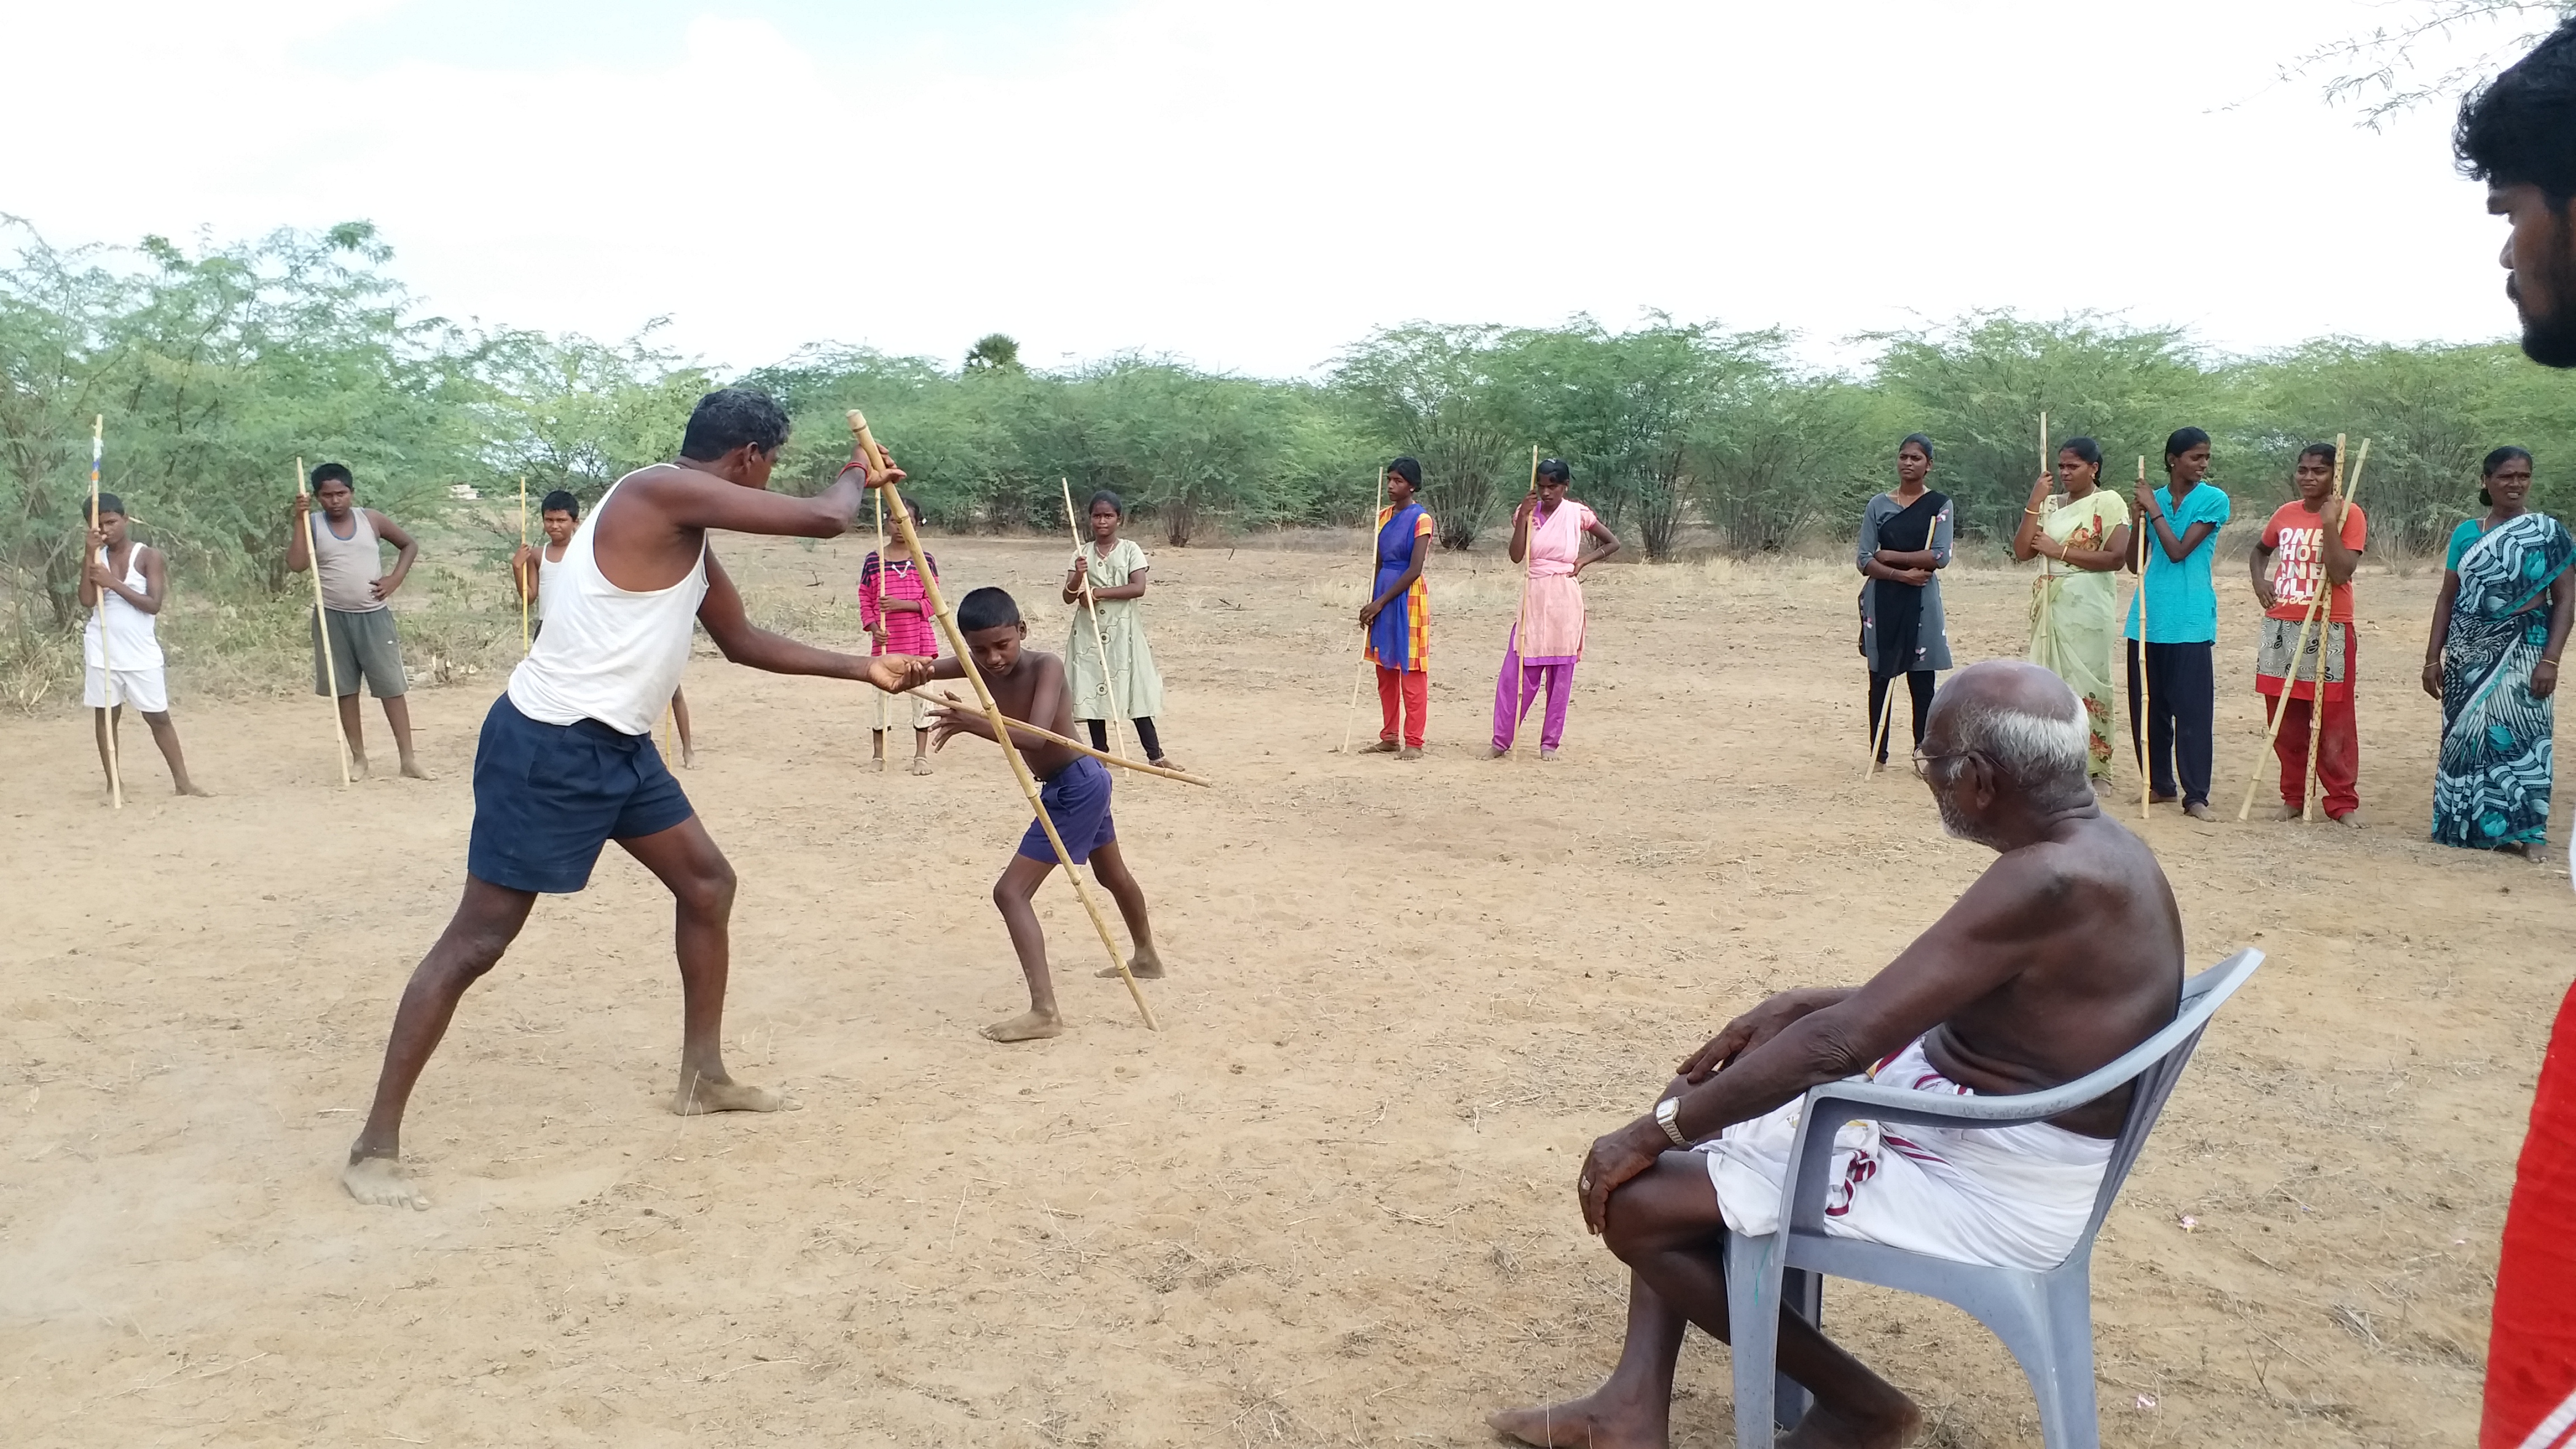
(2182, 603)
(2463, 538)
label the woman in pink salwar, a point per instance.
(1548, 531)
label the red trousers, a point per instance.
(2531, 1350)
(1411, 687)
(2338, 748)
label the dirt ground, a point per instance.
(1330, 1203)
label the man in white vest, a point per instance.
(566, 762)
(124, 587)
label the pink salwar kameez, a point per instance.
(1553, 611)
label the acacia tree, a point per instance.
(1431, 391)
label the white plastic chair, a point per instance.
(2044, 1317)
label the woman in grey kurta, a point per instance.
(1113, 569)
(1904, 544)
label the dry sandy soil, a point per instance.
(1329, 1204)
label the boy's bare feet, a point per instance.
(357, 766)
(688, 757)
(192, 788)
(1409, 752)
(1027, 1026)
(1382, 747)
(920, 765)
(877, 763)
(1163, 762)
(1145, 965)
(381, 1182)
(697, 1095)
(411, 769)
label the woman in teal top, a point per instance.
(2498, 628)
(2182, 520)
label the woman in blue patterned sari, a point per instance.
(2493, 662)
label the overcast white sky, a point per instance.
(1251, 186)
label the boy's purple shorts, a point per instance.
(1077, 800)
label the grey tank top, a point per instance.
(349, 564)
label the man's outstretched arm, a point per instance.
(746, 643)
(757, 510)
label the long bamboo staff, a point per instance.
(1351, 711)
(879, 500)
(1519, 652)
(2146, 724)
(2280, 708)
(106, 665)
(2308, 794)
(322, 623)
(524, 580)
(2047, 575)
(1091, 606)
(993, 715)
(1103, 756)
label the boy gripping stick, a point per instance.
(891, 609)
(134, 581)
(537, 568)
(355, 624)
(566, 761)
(1030, 686)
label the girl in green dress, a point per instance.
(1104, 583)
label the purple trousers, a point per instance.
(1554, 677)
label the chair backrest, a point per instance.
(2170, 1050)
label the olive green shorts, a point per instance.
(363, 646)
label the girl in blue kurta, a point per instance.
(1398, 613)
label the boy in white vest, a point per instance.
(124, 586)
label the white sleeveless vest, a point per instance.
(607, 654)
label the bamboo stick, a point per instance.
(879, 500)
(106, 662)
(993, 715)
(523, 580)
(322, 623)
(1519, 650)
(1103, 756)
(2309, 804)
(2047, 575)
(1091, 606)
(2146, 725)
(1352, 710)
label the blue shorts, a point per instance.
(1077, 800)
(547, 797)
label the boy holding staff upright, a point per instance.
(1033, 688)
(125, 585)
(354, 622)
(566, 762)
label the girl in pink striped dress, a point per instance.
(1548, 531)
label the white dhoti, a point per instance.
(2010, 1197)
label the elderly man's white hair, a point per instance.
(2027, 723)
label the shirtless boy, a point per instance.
(566, 762)
(1030, 686)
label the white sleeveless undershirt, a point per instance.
(132, 642)
(607, 654)
(349, 564)
(548, 571)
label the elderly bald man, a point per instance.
(2064, 954)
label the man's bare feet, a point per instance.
(697, 1095)
(1825, 1428)
(688, 757)
(920, 765)
(1145, 965)
(1577, 1424)
(1027, 1026)
(381, 1182)
(411, 769)
(2199, 810)
(1382, 747)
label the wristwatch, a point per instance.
(1665, 1113)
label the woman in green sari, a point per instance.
(2080, 532)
